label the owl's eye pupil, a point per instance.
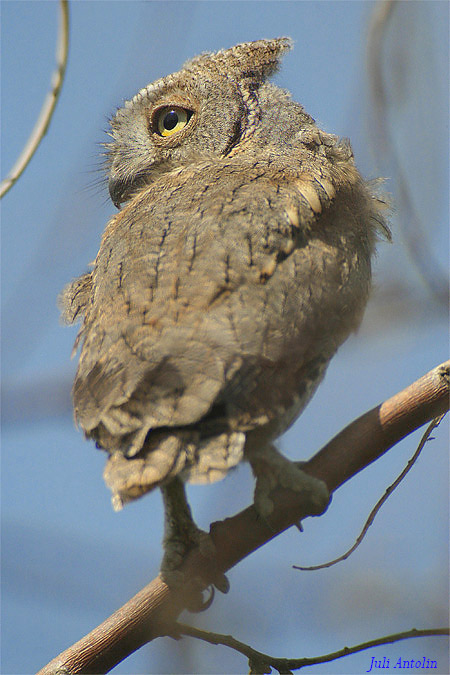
(170, 120)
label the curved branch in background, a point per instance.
(152, 612)
(415, 239)
(49, 105)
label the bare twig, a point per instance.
(152, 611)
(48, 107)
(380, 502)
(414, 234)
(265, 662)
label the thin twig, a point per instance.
(380, 502)
(49, 105)
(284, 665)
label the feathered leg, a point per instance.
(181, 534)
(272, 470)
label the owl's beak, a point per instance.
(116, 190)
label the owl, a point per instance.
(237, 264)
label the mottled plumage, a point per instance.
(239, 262)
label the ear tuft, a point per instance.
(254, 60)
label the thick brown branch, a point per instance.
(372, 434)
(150, 613)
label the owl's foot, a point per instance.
(181, 535)
(272, 471)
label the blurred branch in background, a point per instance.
(33, 399)
(45, 116)
(413, 230)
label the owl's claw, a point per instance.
(195, 602)
(272, 471)
(182, 535)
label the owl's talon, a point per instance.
(175, 578)
(196, 604)
(221, 583)
(272, 471)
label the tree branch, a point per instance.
(153, 610)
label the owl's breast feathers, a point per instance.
(218, 296)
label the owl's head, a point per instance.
(210, 108)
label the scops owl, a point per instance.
(239, 261)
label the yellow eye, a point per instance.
(170, 119)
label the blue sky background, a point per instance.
(68, 561)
